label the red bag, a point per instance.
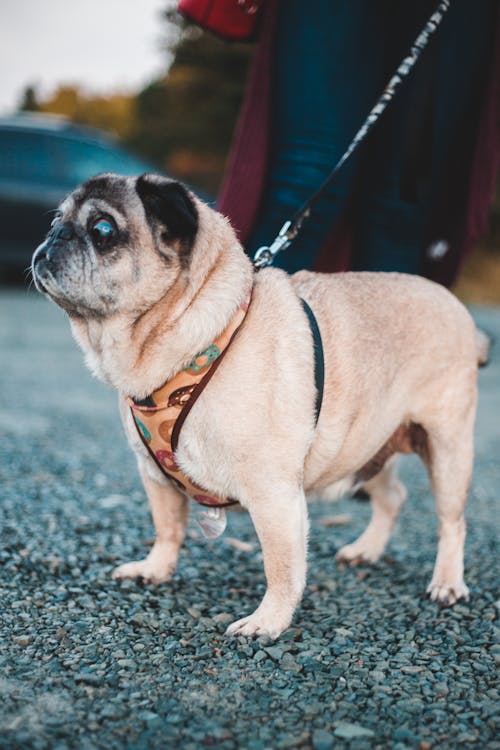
(231, 19)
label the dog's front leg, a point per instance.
(280, 520)
(170, 512)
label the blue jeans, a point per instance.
(333, 59)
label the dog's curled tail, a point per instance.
(483, 345)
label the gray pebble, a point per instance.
(352, 731)
(322, 740)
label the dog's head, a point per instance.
(117, 244)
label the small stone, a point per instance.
(265, 640)
(276, 652)
(148, 716)
(466, 738)
(260, 656)
(289, 663)
(478, 667)
(322, 740)
(88, 678)
(351, 731)
(402, 734)
(343, 632)
(412, 669)
(411, 705)
(22, 640)
(113, 711)
(223, 618)
(292, 634)
(441, 688)
(129, 663)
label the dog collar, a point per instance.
(159, 417)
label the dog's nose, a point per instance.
(63, 232)
(40, 254)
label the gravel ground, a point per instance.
(86, 662)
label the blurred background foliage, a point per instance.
(183, 122)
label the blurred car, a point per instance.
(42, 158)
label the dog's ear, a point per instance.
(168, 203)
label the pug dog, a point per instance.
(150, 276)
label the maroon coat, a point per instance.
(461, 216)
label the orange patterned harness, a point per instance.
(159, 417)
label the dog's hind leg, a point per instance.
(281, 525)
(450, 469)
(387, 496)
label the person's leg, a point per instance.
(392, 211)
(417, 143)
(328, 76)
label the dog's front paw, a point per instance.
(261, 622)
(148, 570)
(447, 595)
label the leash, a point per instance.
(290, 229)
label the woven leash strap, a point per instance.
(290, 229)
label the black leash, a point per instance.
(290, 229)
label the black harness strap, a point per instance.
(319, 359)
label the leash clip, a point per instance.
(265, 255)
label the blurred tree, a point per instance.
(113, 113)
(185, 120)
(182, 121)
(29, 100)
(148, 134)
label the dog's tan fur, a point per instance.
(400, 352)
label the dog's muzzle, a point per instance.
(48, 256)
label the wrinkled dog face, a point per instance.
(117, 244)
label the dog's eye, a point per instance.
(55, 220)
(102, 231)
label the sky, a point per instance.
(103, 45)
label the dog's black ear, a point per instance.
(169, 203)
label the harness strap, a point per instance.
(196, 394)
(319, 358)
